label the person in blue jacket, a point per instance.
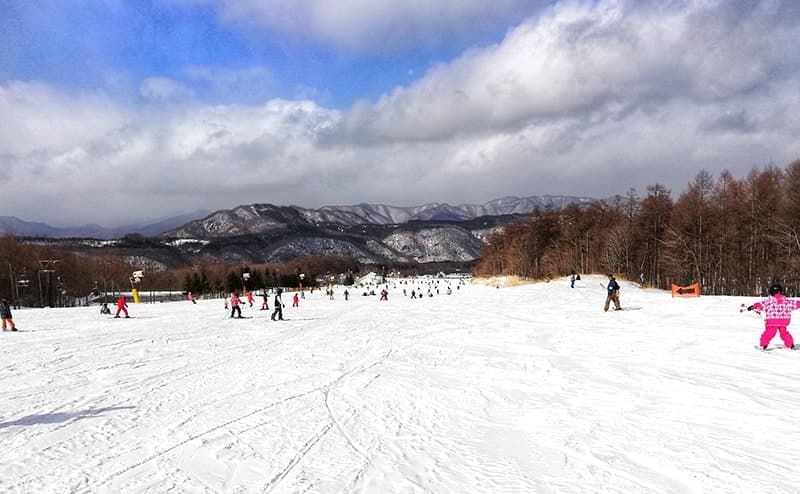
(613, 293)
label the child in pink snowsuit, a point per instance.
(778, 311)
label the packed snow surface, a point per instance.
(526, 389)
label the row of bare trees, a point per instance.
(733, 236)
(35, 274)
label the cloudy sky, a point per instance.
(118, 111)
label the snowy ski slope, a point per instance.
(529, 389)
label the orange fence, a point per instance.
(686, 291)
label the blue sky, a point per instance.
(82, 44)
(159, 107)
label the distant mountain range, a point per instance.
(248, 219)
(21, 228)
(433, 234)
(261, 218)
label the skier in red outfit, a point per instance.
(122, 306)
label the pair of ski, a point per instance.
(770, 349)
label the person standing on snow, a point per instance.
(296, 300)
(5, 314)
(235, 301)
(278, 312)
(190, 297)
(613, 293)
(264, 304)
(778, 310)
(122, 306)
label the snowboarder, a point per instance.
(235, 309)
(278, 312)
(190, 297)
(778, 310)
(5, 314)
(122, 306)
(613, 293)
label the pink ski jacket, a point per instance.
(778, 309)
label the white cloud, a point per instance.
(164, 89)
(580, 59)
(586, 99)
(369, 26)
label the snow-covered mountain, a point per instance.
(258, 218)
(371, 234)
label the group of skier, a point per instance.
(277, 314)
(776, 307)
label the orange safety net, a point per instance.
(686, 291)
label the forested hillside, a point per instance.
(731, 235)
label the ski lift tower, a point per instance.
(47, 267)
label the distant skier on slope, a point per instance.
(778, 315)
(613, 293)
(122, 306)
(235, 309)
(5, 314)
(278, 312)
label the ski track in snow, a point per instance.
(525, 389)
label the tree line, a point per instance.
(733, 236)
(34, 274)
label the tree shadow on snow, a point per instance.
(58, 417)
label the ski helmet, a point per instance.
(775, 289)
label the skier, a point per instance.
(235, 309)
(190, 297)
(264, 304)
(122, 306)
(572, 279)
(613, 293)
(778, 311)
(278, 312)
(384, 295)
(296, 300)
(250, 298)
(104, 309)
(346, 294)
(5, 314)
